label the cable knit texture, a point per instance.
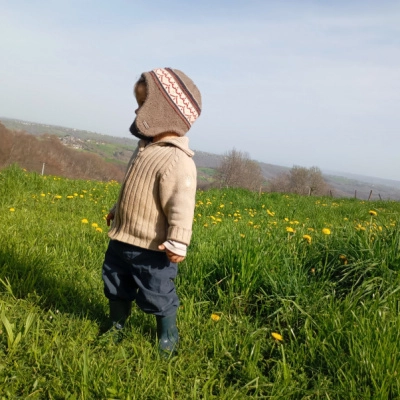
(157, 198)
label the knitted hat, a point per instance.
(172, 104)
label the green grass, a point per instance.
(333, 297)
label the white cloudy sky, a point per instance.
(310, 83)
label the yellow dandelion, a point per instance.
(270, 213)
(84, 221)
(242, 235)
(70, 197)
(343, 259)
(205, 225)
(58, 196)
(99, 230)
(373, 213)
(95, 225)
(307, 238)
(277, 336)
(42, 194)
(326, 231)
(289, 229)
(12, 209)
(215, 317)
(221, 205)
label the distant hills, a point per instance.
(117, 151)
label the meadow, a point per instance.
(282, 297)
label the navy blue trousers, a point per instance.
(145, 276)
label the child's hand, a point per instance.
(171, 256)
(109, 218)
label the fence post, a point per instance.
(370, 194)
(43, 168)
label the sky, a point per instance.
(305, 83)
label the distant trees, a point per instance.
(31, 152)
(300, 180)
(238, 170)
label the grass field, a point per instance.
(282, 297)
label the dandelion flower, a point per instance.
(12, 209)
(84, 221)
(326, 231)
(70, 197)
(99, 230)
(277, 336)
(270, 213)
(215, 317)
(373, 213)
(343, 259)
(242, 235)
(42, 194)
(289, 229)
(95, 225)
(58, 196)
(307, 238)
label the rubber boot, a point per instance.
(120, 310)
(168, 336)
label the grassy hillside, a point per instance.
(282, 297)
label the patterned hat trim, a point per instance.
(176, 92)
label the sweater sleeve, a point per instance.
(177, 196)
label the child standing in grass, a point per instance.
(152, 219)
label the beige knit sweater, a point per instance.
(157, 198)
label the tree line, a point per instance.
(238, 170)
(35, 152)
